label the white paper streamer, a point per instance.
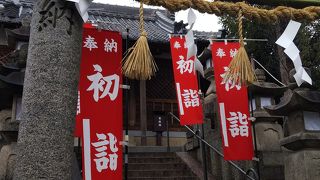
(289, 34)
(192, 47)
(16, 2)
(82, 7)
(192, 51)
(199, 67)
(191, 18)
(286, 41)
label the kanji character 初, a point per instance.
(233, 52)
(185, 66)
(103, 84)
(90, 43)
(190, 98)
(229, 83)
(110, 46)
(177, 45)
(220, 53)
(238, 124)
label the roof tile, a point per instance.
(158, 23)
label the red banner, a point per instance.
(233, 106)
(100, 104)
(186, 82)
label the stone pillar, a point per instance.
(45, 143)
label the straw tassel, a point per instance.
(138, 62)
(240, 69)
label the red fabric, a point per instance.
(190, 107)
(104, 112)
(88, 26)
(235, 102)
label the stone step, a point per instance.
(164, 178)
(154, 160)
(160, 173)
(155, 166)
(152, 154)
(156, 149)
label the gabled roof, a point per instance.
(158, 23)
(118, 18)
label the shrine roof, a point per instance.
(158, 22)
(13, 14)
(118, 18)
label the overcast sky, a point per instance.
(205, 22)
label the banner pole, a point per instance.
(126, 116)
(203, 147)
(204, 156)
(80, 155)
(254, 136)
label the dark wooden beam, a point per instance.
(132, 104)
(143, 113)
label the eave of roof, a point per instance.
(118, 18)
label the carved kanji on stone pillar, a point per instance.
(52, 10)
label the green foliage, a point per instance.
(264, 52)
(307, 40)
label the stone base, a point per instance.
(7, 161)
(304, 164)
(271, 165)
(272, 173)
(268, 135)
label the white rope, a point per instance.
(269, 72)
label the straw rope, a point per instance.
(138, 62)
(240, 69)
(220, 8)
(240, 28)
(141, 22)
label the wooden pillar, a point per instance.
(132, 104)
(143, 113)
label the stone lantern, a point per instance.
(12, 74)
(302, 137)
(267, 128)
(10, 87)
